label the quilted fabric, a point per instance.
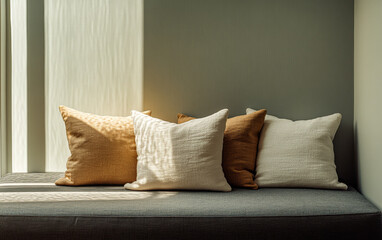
(297, 153)
(180, 156)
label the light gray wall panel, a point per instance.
(368, 98)
(294, 58)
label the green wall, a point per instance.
(368, 96)
(294, 58)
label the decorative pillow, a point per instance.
(241, 137)
(297, 153)
(102, 149)
(179, 156)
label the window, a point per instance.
(84, 54)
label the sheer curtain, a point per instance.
(93, 62)
(18, 18)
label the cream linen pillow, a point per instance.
(241, 137)
(179, 156)
(297, 153)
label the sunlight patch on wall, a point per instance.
(93, 63)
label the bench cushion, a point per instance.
(31, 205)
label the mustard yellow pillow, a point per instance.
(241, 137)
(102, 149)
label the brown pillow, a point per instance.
(241, 137)
(102, 147)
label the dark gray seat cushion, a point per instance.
(31, 205)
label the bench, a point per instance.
(32, 207)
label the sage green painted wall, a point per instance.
(294, 58)
(35, 86)
(368, 96)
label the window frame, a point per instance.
(5, 60)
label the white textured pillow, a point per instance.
(180, 156)
(297, 153)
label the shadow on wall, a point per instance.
(293, 58)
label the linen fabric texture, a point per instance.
(297, 153)
(179, 156)
(102, 149)
(241, 137)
